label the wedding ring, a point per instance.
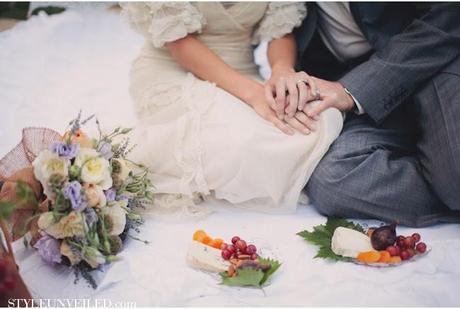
(301, 81)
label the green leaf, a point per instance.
(321, 236)
(333, 223)
(274, 265)
(251, 276)
(245, 277)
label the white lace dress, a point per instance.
(198, 139)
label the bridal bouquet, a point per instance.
(91, 192)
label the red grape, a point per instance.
(393, 250)
(405, 255)
(235, 239)
(421, 247)
(409, 243)
(416, 237)
(251, 249)
(254, 256)
(226, 254)
(231, 248)
(223, 246)
(400, 241)
(240, 245)
(411, 252)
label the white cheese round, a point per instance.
(349, 243)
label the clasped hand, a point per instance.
(297, 99)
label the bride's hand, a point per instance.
(289, 91)
(260, 105)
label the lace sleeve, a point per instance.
(163, 22)
(280, 19)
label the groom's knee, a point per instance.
(440, 143)
(323, 184)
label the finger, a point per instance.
(306, 121)
(312, 83)
(280, 125)
(297, 125)
(318, 108)
(303, 96)
(281, 93)
(270, 98)
(293, 97)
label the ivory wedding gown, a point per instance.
(199, 140)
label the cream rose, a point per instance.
(117, 215)
(94, 168)
(71, 225)
(95, 195)
(47, 164)
(45, 220)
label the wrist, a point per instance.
(252, 93)
(282, 67)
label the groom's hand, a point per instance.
(332, 94)
(288, 91)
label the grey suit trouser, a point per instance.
(406, 169)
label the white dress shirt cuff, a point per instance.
(359, 110)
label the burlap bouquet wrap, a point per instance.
(15, 167)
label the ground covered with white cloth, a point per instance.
(51, 67)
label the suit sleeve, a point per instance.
(409, 59)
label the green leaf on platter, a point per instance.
(274, 265)
(333, 223)
(250, 276)
(245, 277)
(321, 236)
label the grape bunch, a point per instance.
(238, 250)
(407, 247)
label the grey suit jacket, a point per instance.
(411, 42)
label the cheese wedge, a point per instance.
(207, 258)
(349, 243)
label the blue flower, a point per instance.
(68, 151)
(110, 194)
(105, 149)
(73, 192)
(49, 249)
(90, 216)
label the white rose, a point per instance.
(71, 225)
(117, 215)
(46, 164)
(94, 168)
(95, 195)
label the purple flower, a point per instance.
(68, 151)
(72, 191)
(90, 216)
(48, 249)
(105, 149)
(110, 194)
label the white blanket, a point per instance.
(50, 67)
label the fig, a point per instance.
(383, 237)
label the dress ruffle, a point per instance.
(280, 19)
(163, 22)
